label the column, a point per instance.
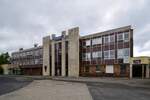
(147, 71)
(53, 57)
(46, 56)
(143, 71)
(63, 54)
(131, 71)
(73, 52)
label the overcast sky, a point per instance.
(25, 22)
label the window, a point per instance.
(106, 39)
(97, 41)
(126, 36)
(97, 54)
(109, 69)
(112, 38)
(126, 52)
(87, 56)
(88, 42)
(106, 54)
(120, 36)
(97, 68)
(112, 54)
(120, 53)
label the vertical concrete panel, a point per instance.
(53, 57)
(73, 52)
(147, 71)
(46, 56)
(131, 70)
(63, 56)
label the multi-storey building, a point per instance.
(100, 54)
(29, 61)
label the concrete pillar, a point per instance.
(63, 55)
(73, 52)
(46, 56)
(131, 71)
(147, 71)
(53, 57)
(143, 71)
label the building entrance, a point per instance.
(139, 70)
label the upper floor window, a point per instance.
(112, 38)
(88, 42)
(126, 36)
(106, 39)
(87, 56)
(120, 53)
(97, 54)
(126, 52)
(120, 36)
(123, 53)
(112, 54)
(106, 54)
(97, 41)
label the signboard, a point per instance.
(136, 61)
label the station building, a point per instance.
(105, 53)
(140, 67)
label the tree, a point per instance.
(4, 58)
(1, 70)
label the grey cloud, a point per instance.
(25, 22)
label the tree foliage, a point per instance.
(4, 58)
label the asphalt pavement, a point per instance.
(114, 91)
(10, 84)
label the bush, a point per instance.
(1, 70)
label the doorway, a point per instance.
(137, 70)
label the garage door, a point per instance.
(109, 69)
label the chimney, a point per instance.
(20, 49)
(35, 45)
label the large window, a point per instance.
(126, 36)
(106, 54)
(97, 54)
(126, 52)
(87, 56)
(88, 42)
(112, 38)
(120, 36)
(122, 53)
(97, 41)
(109, 54)
(112, 54)
(106, 39)
(123, 36)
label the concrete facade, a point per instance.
(46, 56)
(73, 52)
(63, 52)
(53, 58)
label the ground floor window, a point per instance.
(97, 68)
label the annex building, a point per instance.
(105, 53)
